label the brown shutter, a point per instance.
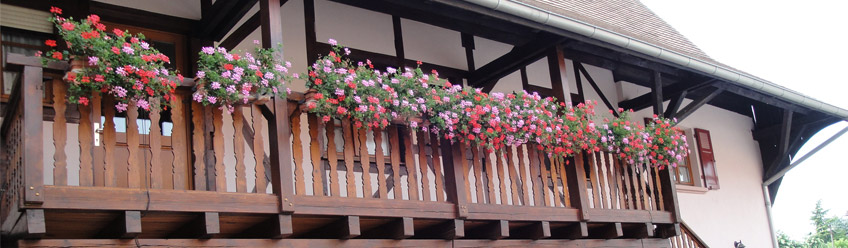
(705, 151)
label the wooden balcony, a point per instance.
(196, 172)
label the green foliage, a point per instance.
(829, 231)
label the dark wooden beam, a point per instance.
(607, 231)
(623, 58)
(398, 34)
(639, 230)
(205, 226)
(576, 65)
(141, 18)
(764, 98)
(557, 68)
(494, 230)
(401, 228)
(453, 175)
(379, 59)
(534, 231)
(516, 58)
(657, 94)
(312, 49)
(665, 231)
(223, 16)
(696, 104)
(594, 85)
(126, 225)
(783, 143)
(278, 226)
(241, 32)
(347, 227)
(468, 44)
(30, 225)
(669, 92)
(674, 104)
(449, 230)
(577, 230)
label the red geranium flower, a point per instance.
(50, 43)
(57, 55)
(68, 26)
(55, 10)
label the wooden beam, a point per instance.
(468, 44)
(454, 184)
(639, 230)
(398, 34)
(30, 225)
(141, 18)
(577, 77)
(449, 230)
(782, 144)
(223, 16)
(379, 60)
(764, 98)
(400, 228)
(577, 186)
(607, 231)
(597, 89)
(32, 161)
(559, 78)
(620, 243)
(126, 226)
(534, 231)
(494, 230)
(656, 94)
(278, 226)
(205, 226)
(577, 230)
(241, 32)
(516, 58)
(665, 231)
(674, 104)
(625, 59)
(696, 104)
(671, 91)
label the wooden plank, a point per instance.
(347, 131)
(32, 115)
(465, 171)
(555, 181)
(109, 140)
(453, 176)
(60, 134)
(646, 171)
(490, 175)
(315, 154)
(97, 162)
(133, 160)
(521, 213)
(394, 141)
(659, 191)
(637, 193)
(179, 142)
(501, 178)
(365, 163)
(238, 148)
(617, 198)
(640, 172)
(332, 158)
(525, 193)
(593, 181)
(86, 144)
(478, 174)
(123, 243)
(423, 140)
(435, 146)
(514, 181)
(154, 173)
(381, 163)
(564, 177)
(312, 205)
(198, 145)
(606, 195)
(625, 187)
(544, 171)
(218, 146)
(535, 176)
(259, 150)
(577, 186)
(278, 120)
(411, 178)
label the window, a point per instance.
(171, 44)
(21, 42)
(683, 172)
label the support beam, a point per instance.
(222, 18)
(779, 174)
(449, 230)
(494, 230)
(398, 34)
(520, 56)
(30, 225)
(126, 226)
(674, 104)
(657, 94)
(607, 231)
(468, 44)
(696, 104)
(559, 79)
(241, 32)
(764, 98)
(577, 230)
(645, 100)
(534, 231)
(597, 89)
(278, 226)
(401, 228)
(639, 230)
(783, 143)
(346, 227)
(205, 226)
(665, 231)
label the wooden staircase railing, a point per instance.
(687, 238)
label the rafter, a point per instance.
(595, 87)
(512, 61)
(696, 104)
(645, 100)
(222, 17)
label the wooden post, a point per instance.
(577, 186)
(453, 176)
(33, 162)
(656, 94)
(279, 130)
(559, 79)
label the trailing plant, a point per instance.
(117, 63)
(666, 144)
(226, 79)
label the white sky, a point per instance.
(798, 44)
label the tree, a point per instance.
(829, 231)
(784, 241)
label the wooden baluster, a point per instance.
(60, 134)
(155, 172)
(238, 148)
(616, 198)
(650, 180)
(544, 170)
(394, 141)
(525, 193)
(297, 152)
(86, 144)
(109, 140)
(409, 160)
(133, 160)
(422, 164)
(640, 170)
(332, 158)
(490, 175)
(602, 181)
(514, 181)
(465, 170)
(315, 154)
(564, 178)
(365, 163)
(435, 146)
(659, 188)
(478, 173)
(635, 182)
(261, 184)
(627, 188)
(501, 178)
(593, 180)
(199, 144)
(218, 142)
(179, 139)
(350, 181)
(554, 181)
(381, 163)
(98, 153)
(535, 176)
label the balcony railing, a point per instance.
(191, 160)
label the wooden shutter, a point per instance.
(705, 151)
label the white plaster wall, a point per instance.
(354, 27)
(433, 44)
(183, 8)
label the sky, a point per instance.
(797, 44)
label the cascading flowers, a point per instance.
(117, 64)
(226, 79)
(666, 144)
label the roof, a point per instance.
(628, 17)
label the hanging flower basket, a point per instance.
(114, 63)
(226, 79)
